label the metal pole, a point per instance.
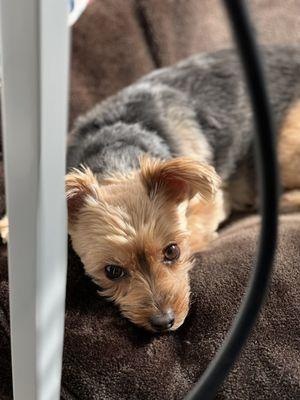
(35, 56)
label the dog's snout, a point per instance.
(163, 321)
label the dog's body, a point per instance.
(145, 218)
(197, 108)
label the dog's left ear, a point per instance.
(179, 178)
(81, 185)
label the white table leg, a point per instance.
(35, 57)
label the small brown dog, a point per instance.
(134, 234)
(165, 161)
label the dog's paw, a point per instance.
(4, 229)
(290, 201)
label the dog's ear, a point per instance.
(179, 178)
(81, 186)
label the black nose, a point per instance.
(163, 321)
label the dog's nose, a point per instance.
(163, 321)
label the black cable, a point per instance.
(220, 366)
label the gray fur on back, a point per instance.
(208, 89)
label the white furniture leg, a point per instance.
(35, 58)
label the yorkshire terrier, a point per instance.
(154, 170)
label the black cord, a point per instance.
(220, 366)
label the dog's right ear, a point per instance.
(179, 178)
(81, 186)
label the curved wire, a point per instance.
(220, 366)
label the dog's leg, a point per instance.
(289, 150)
(289, 160)
(4, 229)
(290, 201)
(203, 219)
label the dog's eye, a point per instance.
(114, 272)
(171, 253)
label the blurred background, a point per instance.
(117, 41)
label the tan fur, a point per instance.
(185, 129)
(180, 178)
(204, 218)
(4, 229)
(289, 149)
(242, 195)
(290, 201)
(128, 218)
(81, 184)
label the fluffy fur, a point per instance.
(128, 220)
(163, 162)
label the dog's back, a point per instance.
(133, 222)
(199, 107)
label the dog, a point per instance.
(155, 169)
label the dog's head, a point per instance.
(131, 233)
